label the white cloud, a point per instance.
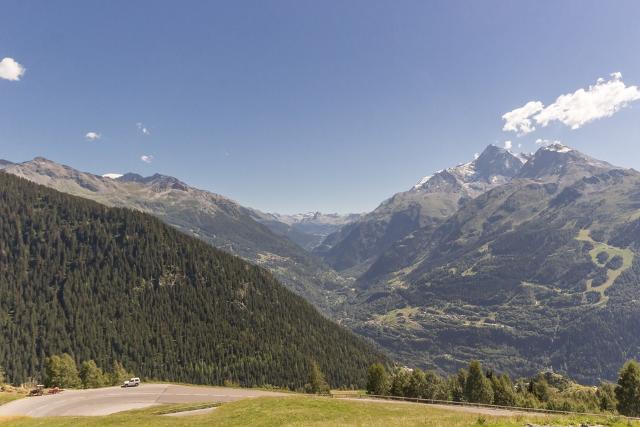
(10, 69)
(576, 109)
(519, 120)
(147, 158)
(92, 136)
(603, 99)
(476, 155)
(508, 145)
(142, 128)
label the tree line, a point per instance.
(546, 390)
(62, 371)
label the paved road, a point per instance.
(109, 400)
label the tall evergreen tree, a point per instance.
(477, 386)
(503, 391)
(91, 375)
(317, 382)
(628, 389)
(62, 372)
(377, 380)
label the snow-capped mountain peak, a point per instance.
(493, 166)
(112, 175)
(558, 147)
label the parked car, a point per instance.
(133, 382)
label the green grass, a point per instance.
(8, 397)
(400, 316)
(310, 411)
(612, 275)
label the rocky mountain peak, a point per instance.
(559, 161)
(496, 161)
(493, 165)
(157, 182)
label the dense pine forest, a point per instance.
(111, 284)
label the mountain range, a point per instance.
(538, 271)
(434, 198)
(526, 262)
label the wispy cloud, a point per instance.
(576, 109)
(508, 145)
(10, 69)
(92, 136)
(142, 128)
(147, 158)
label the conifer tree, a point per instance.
(61, 371)
(91, 375)
(317, 382)
(628, 389)
(377, 380)
(477, 386)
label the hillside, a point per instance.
(353, 248)
(115, 284)
(211, 217)
(538, 272)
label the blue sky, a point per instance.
(305, 105)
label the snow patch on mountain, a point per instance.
(112, 175)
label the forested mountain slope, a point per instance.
(211, 217)
(539, 272)
(115, 284)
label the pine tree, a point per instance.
(62, 372)
(399, 382)
(628, 389)
(377, 380)
(118, 374)
(503, 391)
(416, 385)
(477, 386)
(91, 375)
(317, 383)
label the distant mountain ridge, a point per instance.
(211, 217)
(308, 230)
(355, 247)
